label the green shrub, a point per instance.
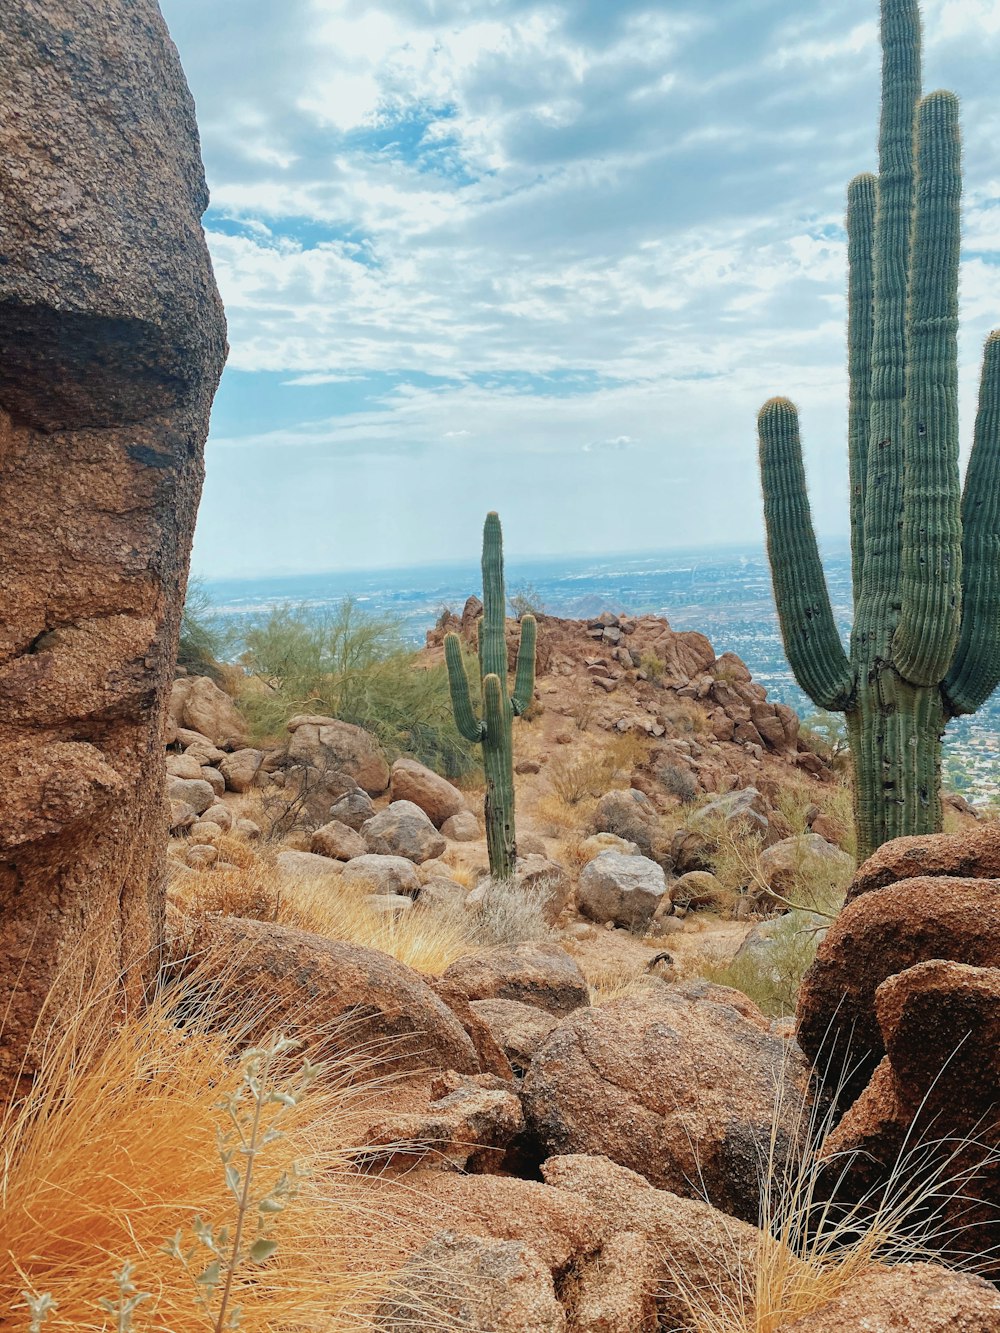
(355, 666)
(203, 642)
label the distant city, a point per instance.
(723, 593)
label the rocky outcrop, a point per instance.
(972, 854)
(934, 1099)
(111, 344)
(197, 704)
(682, 1091)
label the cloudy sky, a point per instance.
(547, 258)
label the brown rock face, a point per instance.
(355, 998)
(908, 1298)
(111, 344)
(877, 935)
(938, 1091)
(972, 854)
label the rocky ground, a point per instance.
(578, 1117)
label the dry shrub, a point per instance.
(509, 914)
(113, 1152)
(809, 1250)
(609, 981)
(769, 975)
(684, 717)
(555, 817)
(428, 941)
(591, 773)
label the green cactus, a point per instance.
(925, 645)
(499, 707)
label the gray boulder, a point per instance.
(624, 889)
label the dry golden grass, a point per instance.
(614, 980)
(595, 770)
(425, 940)
(556, 817)
(112, 1153)
(808, 1251)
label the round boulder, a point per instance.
(338, 997)
(544, 975)
(462, 827)
(412, 781)
(353, 809)
(382, 874)
(683, 1091)
(330, 746)
(624, 889)
(402, 829)
(338, 841)
(240, 768)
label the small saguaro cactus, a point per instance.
(499, 707)
(925, 645)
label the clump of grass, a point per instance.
(508, 913)
(684, 717)
(139, 1169)
(557, 817)
(810, 1249)
(613, 981)
(771, 973)
(653, 667)
(574, 778)
(677, 782)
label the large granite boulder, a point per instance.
(328, 746)
(413, 781)
(683, 1091)
(112, 340)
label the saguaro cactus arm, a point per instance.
(975, 672)
(860, 238)
(524, 677)
(884, 484)
(468, 724)
(930, 609)
(810, 635)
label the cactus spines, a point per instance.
(925, 563)
(494, 731)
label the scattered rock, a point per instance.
(436, 797)
(214, 779)
(806, 855)
(338, 841)
(354, 809)
(472, 1283)
(306, 865)
(462, 827)
(519, 1029)
(200, 857)
(543, 975)
(240, 768)
(183, 766)
(219, 814)
(698, 888)
(197, 703)
(624, 889)
(382, 874)
(907, 1298)
(181, 815)
(402, 829)
(204, 832)
(468, 1126)
(442, 895)
(194, 792)
(328, 745)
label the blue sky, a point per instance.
(545, 258)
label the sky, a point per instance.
(543, 258)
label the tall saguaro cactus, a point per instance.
(925, 645)
(499, 706)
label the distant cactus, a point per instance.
(499, 707)
(925, 645)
